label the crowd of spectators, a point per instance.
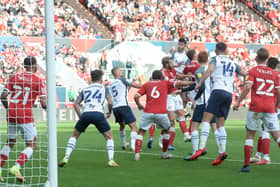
(196, 20)
(26, 18)
(268, 8)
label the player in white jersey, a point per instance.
(180, 59)
(121, 109)
(93, 97)
(222, 71)
(201, 99)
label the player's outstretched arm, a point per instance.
(179, 84)
(183, 76)
(136, 85)
(137, 101)
(4, 99)
(77, 103)
(207, 73)
(246, 89)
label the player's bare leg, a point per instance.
(133, 135)
(123, 136)
(222, 141)
(5, 154)
(171, 116)
(71, 144)
(110, 148)
(138, 143)
(183, 124)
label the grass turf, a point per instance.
(88, 163)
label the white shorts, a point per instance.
(148, 119)
(174, 103)
(27, 130)
(269, 120)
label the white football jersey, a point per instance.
(180, 58)
(203, 99)
(94, 97)
(223, 76)
(119, 91)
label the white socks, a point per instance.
(204, 134)
(70, 147)
(133, 136)
(217, 137)
(110, 149)
(123, 137)
(195, 140)
(222, 138)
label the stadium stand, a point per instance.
(267, 8)
(198, 21)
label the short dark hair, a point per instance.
(96, 75)
(157, 75)
(182, 40)
(272, 62)
(262, 55)
(29, 61)
(202, 57)
(113, 70)
(165, 60)
(221, 47)
(190, 54)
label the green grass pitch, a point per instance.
(88, 163)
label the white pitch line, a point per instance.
(157, 155)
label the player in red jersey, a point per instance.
(155, 110)
(190, 70)
(263, 146)
(174, 102)
(264, 85)
(24, 89)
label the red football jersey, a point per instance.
(169, 75)
(156, 92)
(265, 81)
(191, 68)
(24, 89)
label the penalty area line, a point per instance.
(153, 154)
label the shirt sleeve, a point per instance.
(213, 61)
(125, 82)
(277, 83)
(81, 96)
(238, 68)
(108, 93)
(250, 78)
(171, 84)
(9, 86)
(142, 90)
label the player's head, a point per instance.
(262, 56)
(167, 62)
(30, 64)
(221, 48)
(202, 57)
(96, 75)
(117, 72)
(273, 63)
(181, 45)
(191, 54)
(157, 75)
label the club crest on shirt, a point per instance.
(199, 75)
(246, 77)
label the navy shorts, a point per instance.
(124, 114)
(198, 114)
(96, 118)
(219, 103)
